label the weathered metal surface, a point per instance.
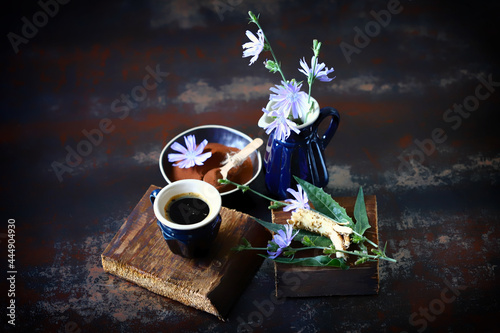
(114, 81)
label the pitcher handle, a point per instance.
(332, 127)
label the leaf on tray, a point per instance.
(313, 239)
(274, 227)
(324, 203)
(360, 214)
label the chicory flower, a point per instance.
(282, 239)
(317, 71)
(190, 155)
(288, 97)
(301, 200)
(281, 124)
(289, 100)
(254, 47)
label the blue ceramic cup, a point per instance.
(188, 240)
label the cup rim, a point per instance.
(214, 202)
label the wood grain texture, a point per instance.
(138, 253)
(296, 281)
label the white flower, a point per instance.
(254, 47)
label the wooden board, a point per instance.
(138, 253)
(296, 281)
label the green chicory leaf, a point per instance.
(360, 214)
(324, 203)
(246, 245)
(312, 239)
(306, 241)
(274, 227)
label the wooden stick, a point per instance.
(238, 158)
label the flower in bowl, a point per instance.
(214, 141)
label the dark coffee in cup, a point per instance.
(186, 208)
(188, 215)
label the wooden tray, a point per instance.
(296, 281)
(138, 253)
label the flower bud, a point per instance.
(316, 47)
(253, 18)
(272, 66)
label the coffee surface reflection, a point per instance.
(186, 208)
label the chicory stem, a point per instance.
(362, 255)
(311, 80)
(364, 238)
(255, 20)
(244, 188)
(257, 248)
(370, 256)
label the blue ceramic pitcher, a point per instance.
(300, 155)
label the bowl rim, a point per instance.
(245, 136)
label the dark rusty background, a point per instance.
(435, 172)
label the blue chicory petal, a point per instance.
(190, 155)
